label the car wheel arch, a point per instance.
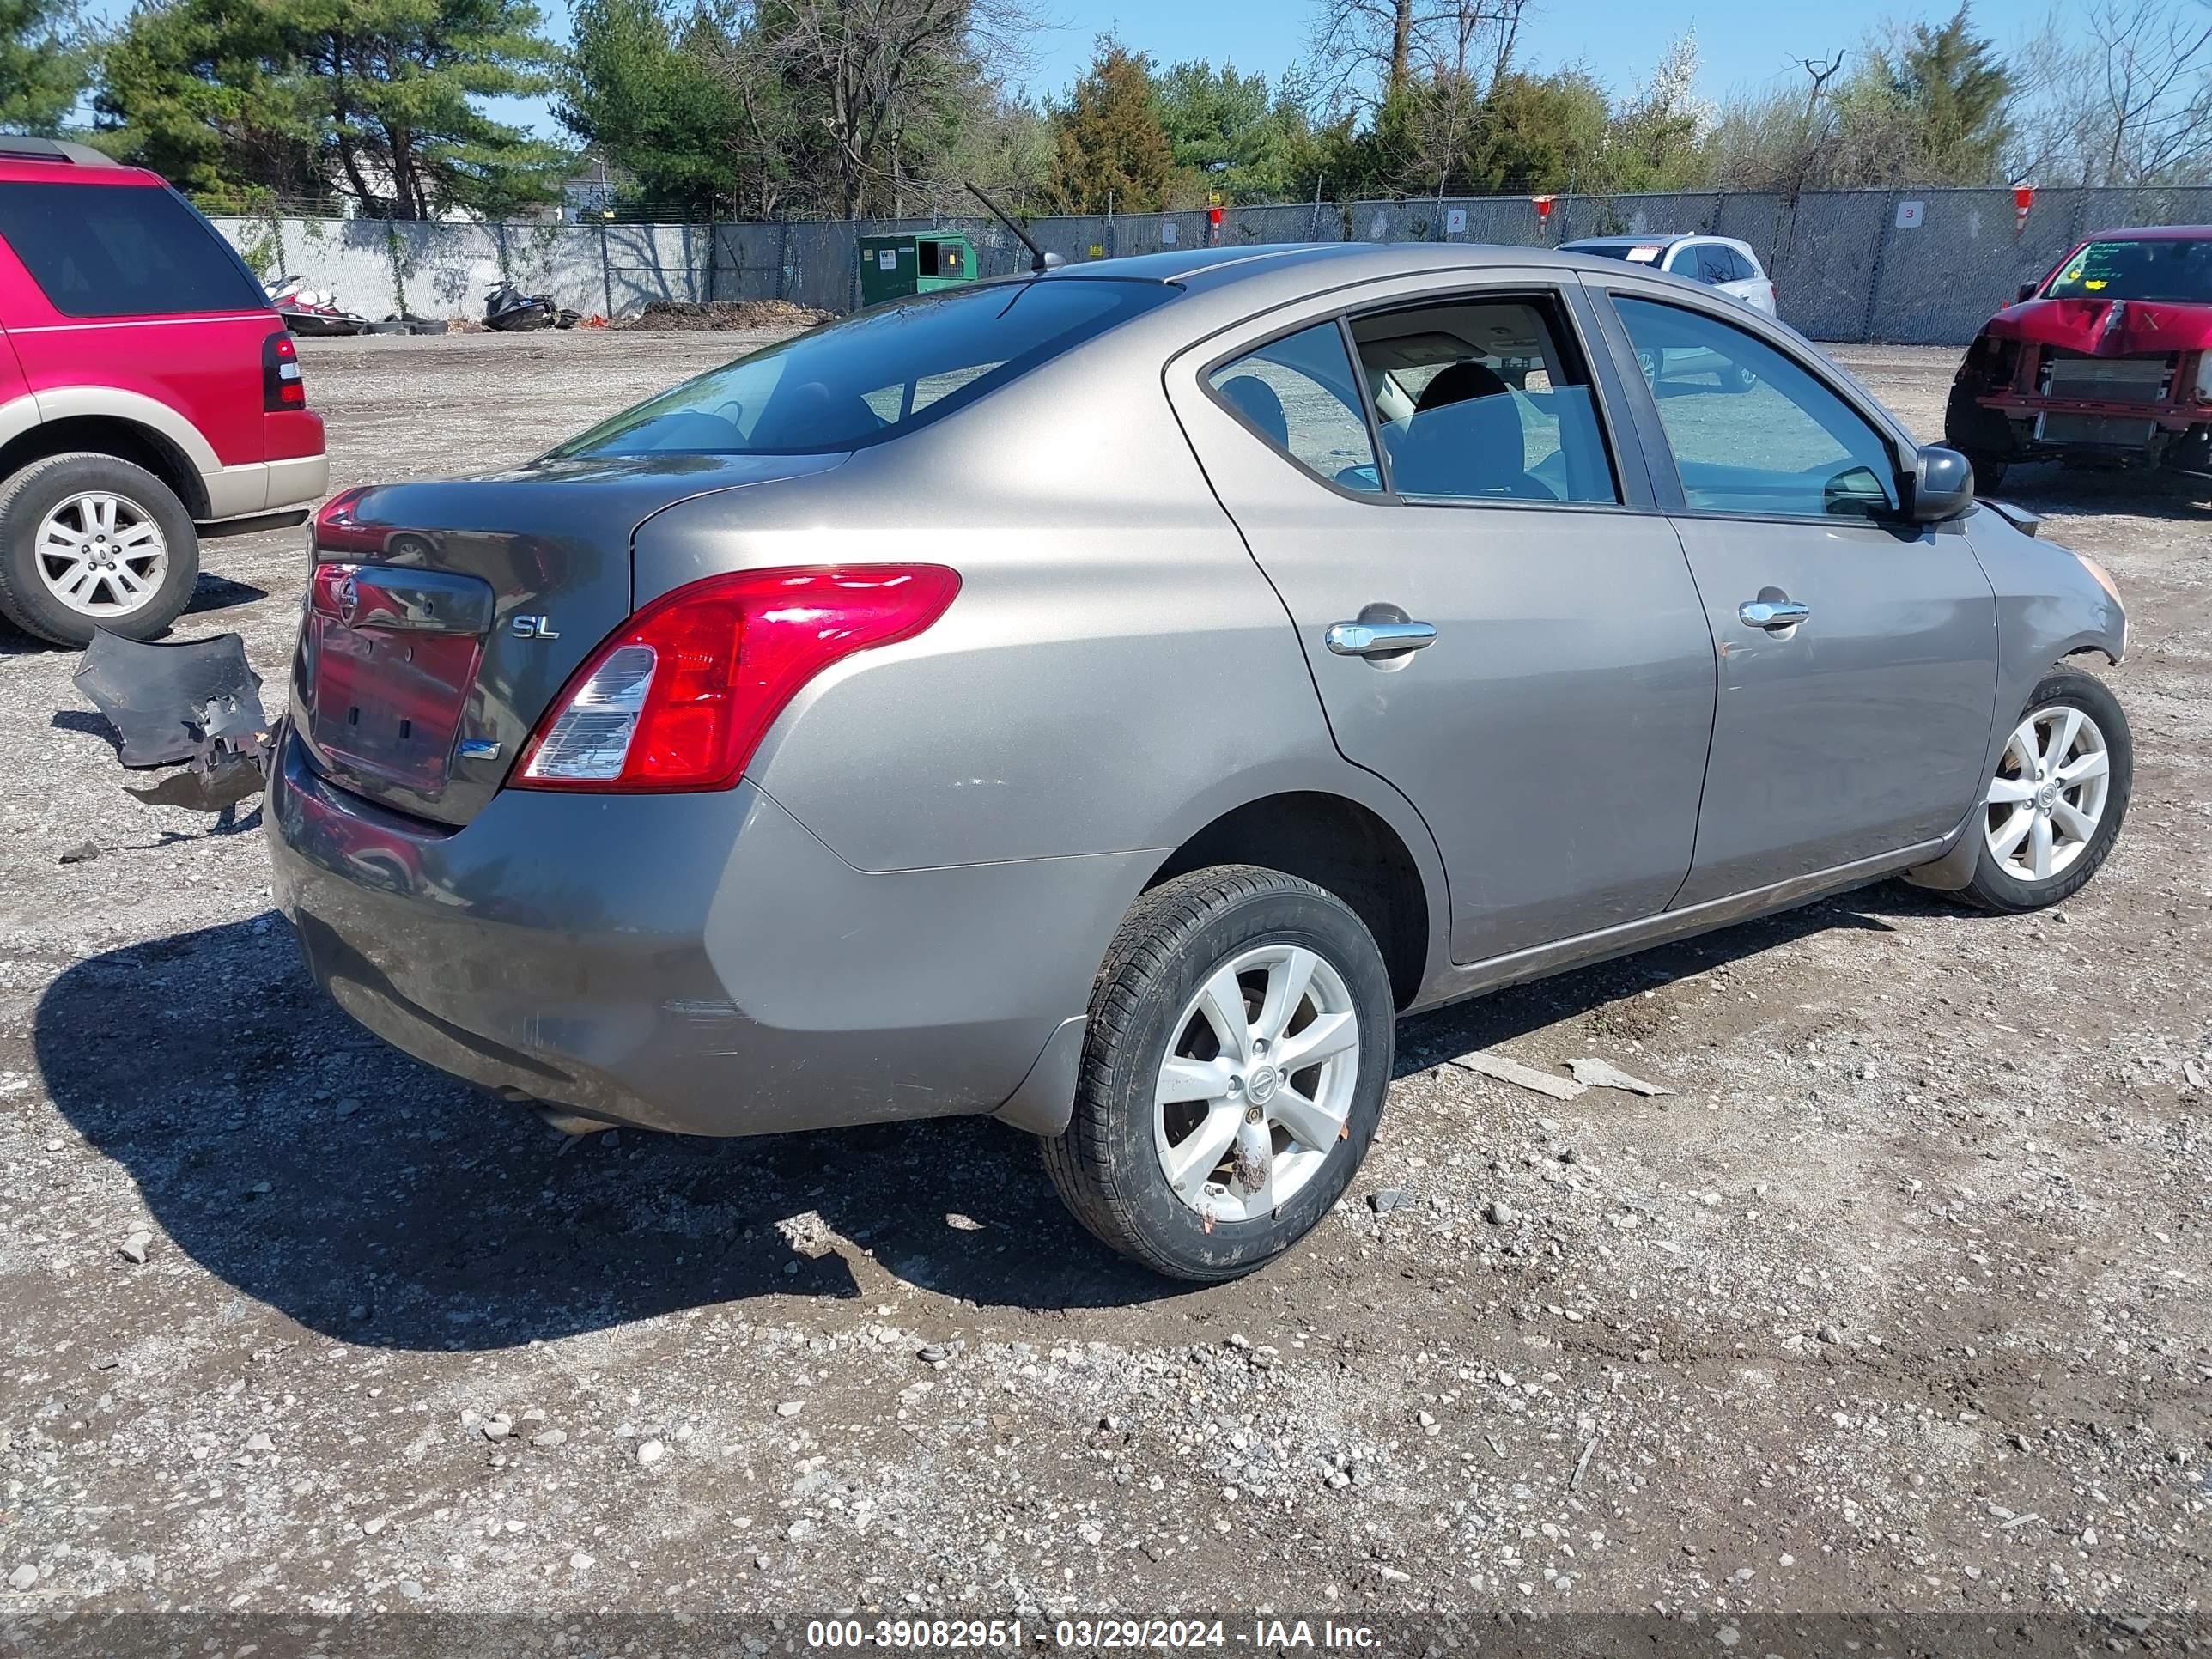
(117, 435)
(1346, 847)
(2096, 647)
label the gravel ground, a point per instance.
(1897, 1301)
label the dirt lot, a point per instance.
(1900, 1301)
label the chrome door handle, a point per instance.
(1378, 639)
(1772, 613)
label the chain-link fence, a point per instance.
(1907, 267)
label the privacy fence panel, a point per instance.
(1911, 267)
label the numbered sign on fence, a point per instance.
(1455, 223)
(1908, 214)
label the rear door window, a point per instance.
(122, 251)
(876, 374)
(1485, 399)
(1714, 264)
(1299, 393)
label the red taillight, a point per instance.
(680, 696)
(281, 388)
(337, 531)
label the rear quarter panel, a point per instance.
(1115, 673)
(1115, 660)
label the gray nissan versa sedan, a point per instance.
(1107, 699)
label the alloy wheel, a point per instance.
(2049, 794)
(1257, 1084)
(100, 554)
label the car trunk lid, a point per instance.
(443, 619)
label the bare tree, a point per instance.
(2139, 101)
(865, 71)
(2130, 103)
(1774, 139)
(1363, 51)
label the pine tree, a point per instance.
(44, 66)
(1953, 88)
(376, 99)
(1112, 152)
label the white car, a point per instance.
(1720, 262)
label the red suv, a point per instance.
(149, 397)
(2105, 362)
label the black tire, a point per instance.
(1737, 380)
(29, 495)
(1106, 1165)
(1993, 887)
(1988, 471)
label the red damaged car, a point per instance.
(2107, 361)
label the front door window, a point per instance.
(1751, 429)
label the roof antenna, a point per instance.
(1039, 260)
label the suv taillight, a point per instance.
(281, 388)
(680, 696)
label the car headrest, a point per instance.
(1257, 402)
(1458, 383)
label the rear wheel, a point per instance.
(2054, 807)
(89, 541)
(1240, 1042)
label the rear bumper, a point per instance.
(265, 486)
(697, 964)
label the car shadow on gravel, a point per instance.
(1606, 995)
(370, 1199)
(215, 593)
(2047, 487)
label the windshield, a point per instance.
(873, 375)
(2177, 271)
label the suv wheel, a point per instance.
(2062, 786)
(89, 541)
(1240, 1041)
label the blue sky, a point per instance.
(1741, 43)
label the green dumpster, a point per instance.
(919, 263)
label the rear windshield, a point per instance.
(1644, 253)
(2176, 271)
(874, 375)
(124, 251)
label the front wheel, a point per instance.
(89, 541)
(1239, 1044)
(2054, 807)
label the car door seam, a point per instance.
(1298, 642)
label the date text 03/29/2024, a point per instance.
(1084, 1635)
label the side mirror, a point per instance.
(2026, 292)
(1943, 484)
(1053, 261)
